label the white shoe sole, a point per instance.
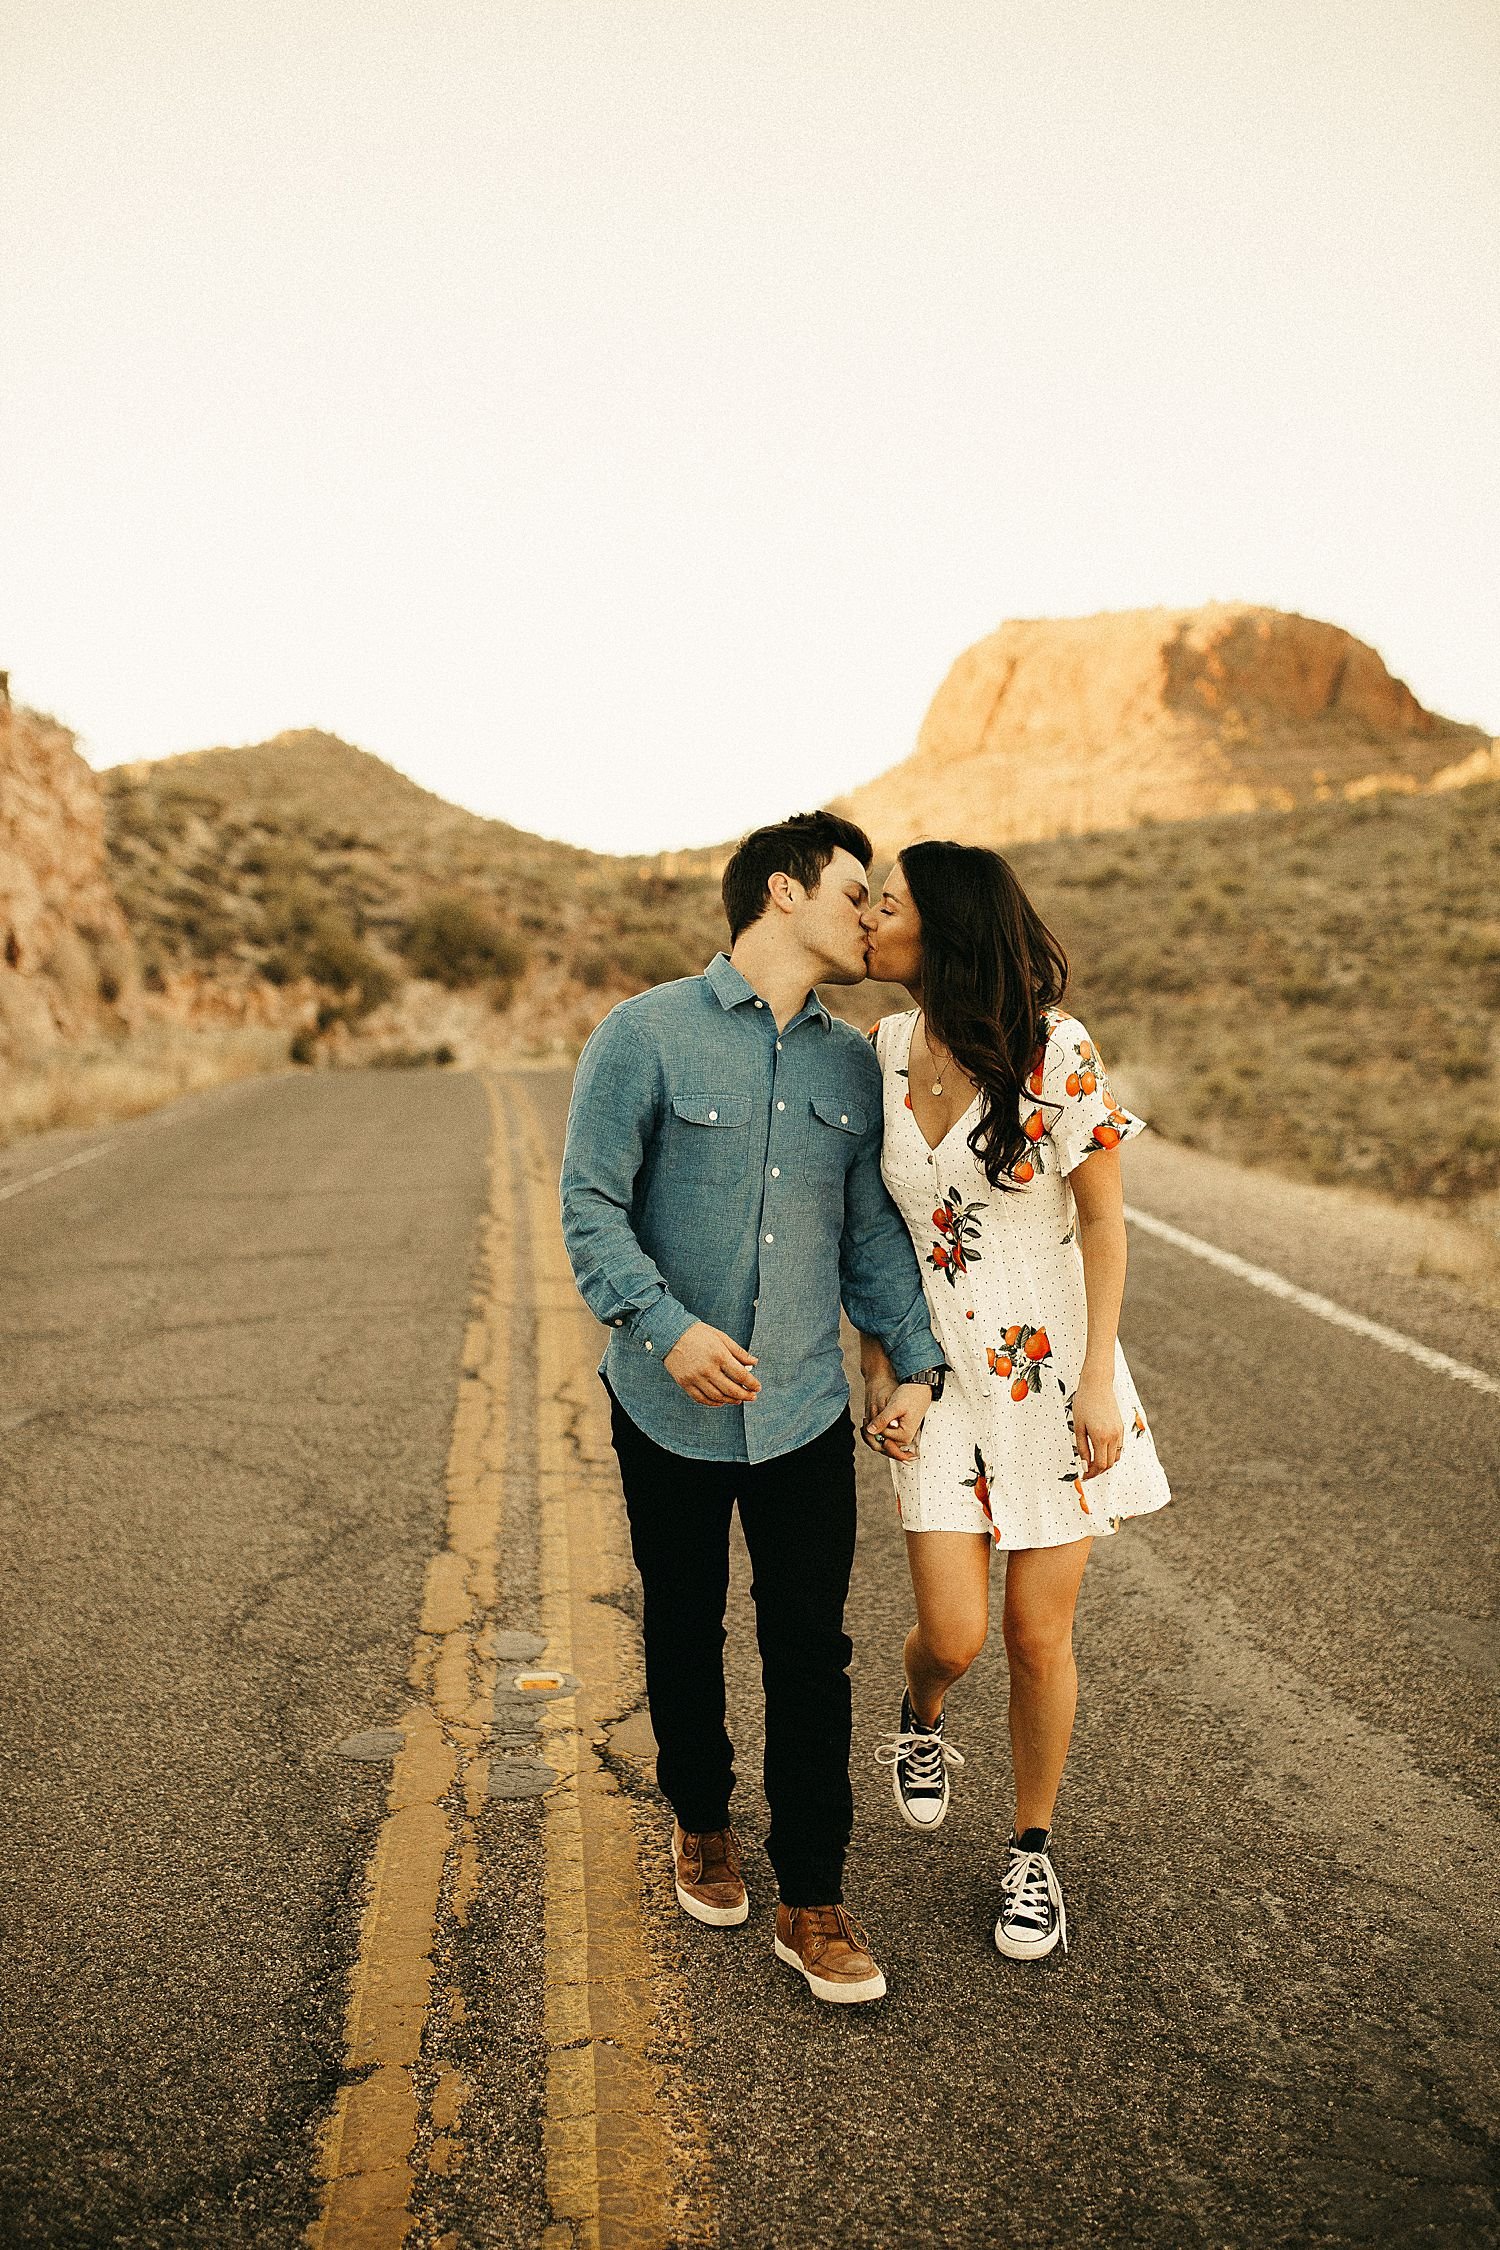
(1026, 1949)
(872, 1988)
(717, 1917)
(924, 1827)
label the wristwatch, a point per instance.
(933, 1378)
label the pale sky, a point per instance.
(619, 413)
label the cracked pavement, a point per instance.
(230, 1353)
(230, 1359)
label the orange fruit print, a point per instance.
(979, 1485)
(1023, 1356)
(958, 1225)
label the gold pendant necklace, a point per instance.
(937, 1084)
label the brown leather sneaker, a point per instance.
(709, 1884)
(831, 1950)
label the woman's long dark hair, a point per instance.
(990, 970)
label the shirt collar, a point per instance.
(732, 990)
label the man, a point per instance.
(721, 1192)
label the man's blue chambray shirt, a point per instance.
(718, 1171)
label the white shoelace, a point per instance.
(924, 1756)
(1030, 1887)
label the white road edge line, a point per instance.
(50, 1171)
(1277, 1285)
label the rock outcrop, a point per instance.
(1054, 727)
(67, 960)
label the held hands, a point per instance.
(1098, 1425)
(892, 1430)
(711, 1367)
(893, 1410)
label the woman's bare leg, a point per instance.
(950, 1576)
(1041, 1591)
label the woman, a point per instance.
(1002, 1140)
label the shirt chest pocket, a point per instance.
(834, 1125)
(710, 1139)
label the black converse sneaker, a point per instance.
(919, 1759)
(1032, 1914)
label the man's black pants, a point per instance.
(798, 1519)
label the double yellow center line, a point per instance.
(624, 2158)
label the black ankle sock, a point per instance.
(1032, 1839)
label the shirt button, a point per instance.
(778, 1046)
(619, 1324)
(770, 1238)
(713, 1117)
(843, 1120)
(760, 1003)
(776, 1171)
(648, 1343)
(781, 1105)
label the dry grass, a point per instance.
(100, 1084)
(1315, 992)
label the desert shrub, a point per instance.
(322, 943)
(336, 956)
(456, 942)
(656, 958)
(290, 912)
(413, 1058)
(592, 967)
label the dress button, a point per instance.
(770, 1238)
(781, 1105)
(776, 1171)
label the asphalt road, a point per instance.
(230, 1358)
(229, 1361)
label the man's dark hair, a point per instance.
(800, 847)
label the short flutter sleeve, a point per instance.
(1079, 1109)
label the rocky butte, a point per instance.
(1056, 726)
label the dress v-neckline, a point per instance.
(932, 1147)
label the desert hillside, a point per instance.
(1314, 988)
(305, 880)
(1065, 726)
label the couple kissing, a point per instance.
(739, 1165)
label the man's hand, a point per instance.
(893, 1431)
(711, 1367)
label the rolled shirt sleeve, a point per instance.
(615, 1110)
(879, 1278)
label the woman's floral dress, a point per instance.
(1004, 1281)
